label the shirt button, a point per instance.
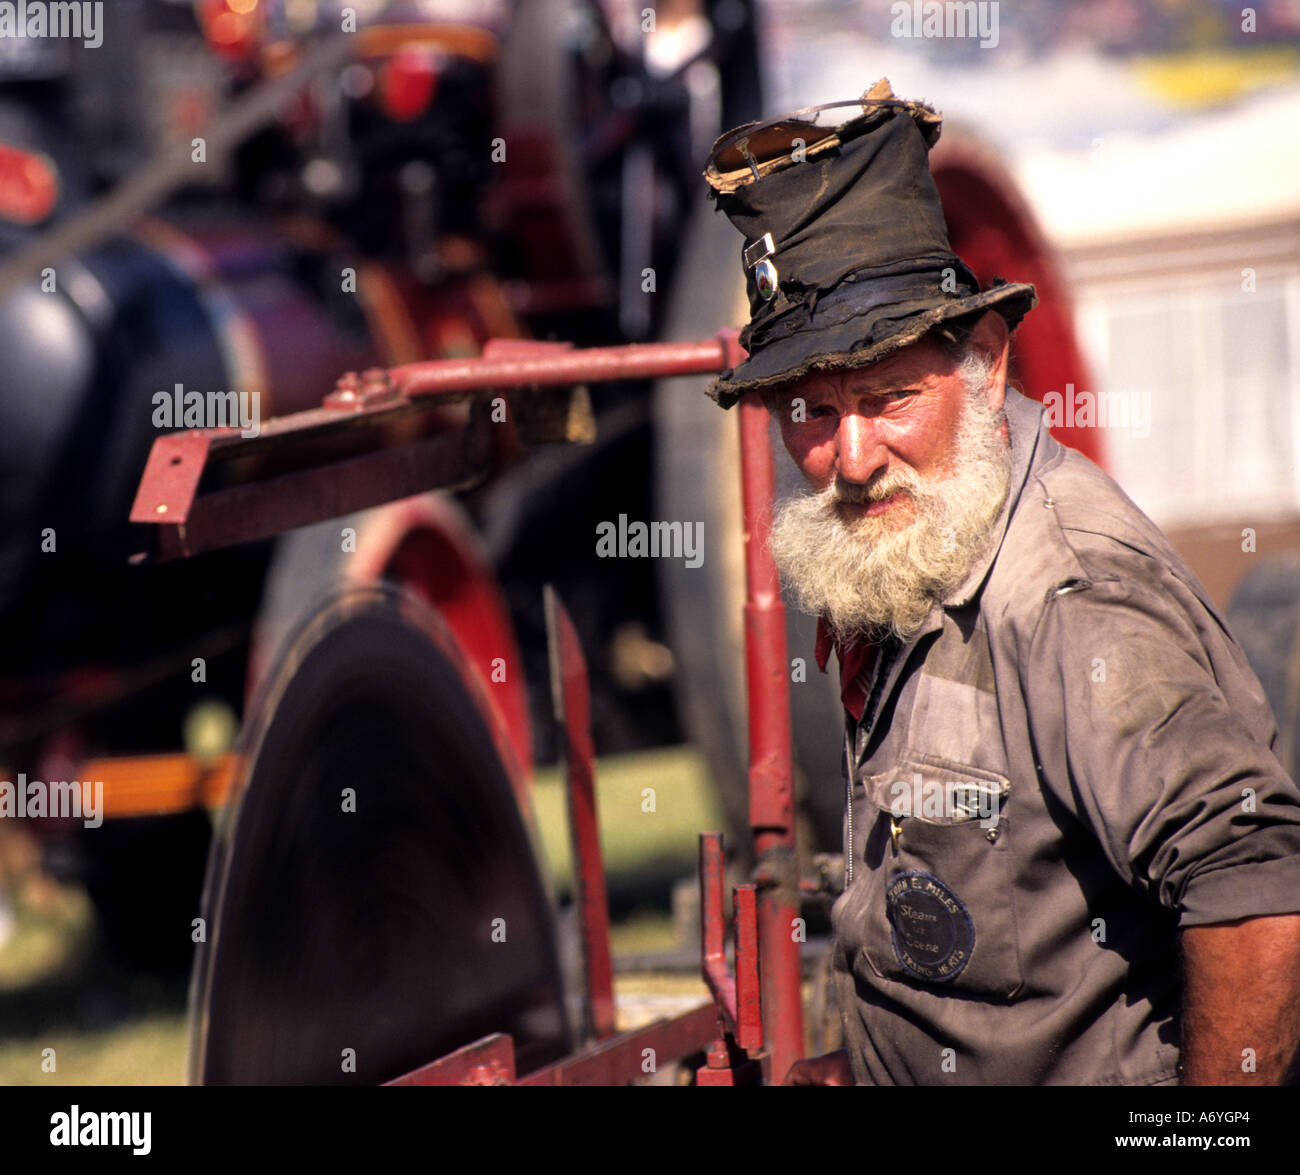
(991, 836)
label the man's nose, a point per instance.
(861, 451)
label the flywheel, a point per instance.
(373, 898)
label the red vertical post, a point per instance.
(771, 789)
(572, 703)
(749, 1020)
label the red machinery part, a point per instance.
(402, 433)
(214, 488)
(487, 1061)
(407, 84)
(572, 702)
(619, 1061)
(588, 365)
(771, 781)
(738, 997)
(29, 185)
(730, 1027)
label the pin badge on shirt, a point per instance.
(758, 258)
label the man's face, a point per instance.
(909, 461)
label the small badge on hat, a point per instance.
(758, 258)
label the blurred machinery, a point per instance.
(239, 196)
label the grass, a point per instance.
(70, 1017)
(651, 807)
(145, 1051)
(110, 1027)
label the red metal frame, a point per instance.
(391, 434)
(725, 1030)
(623, 1059)
(487, 1061)
(386, 435)
(771, 786)
(572, 703)
(588, 365)
(737, 997)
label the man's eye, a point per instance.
(820, 411)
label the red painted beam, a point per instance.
(749, 1007)
(624, 1059)
(737, 996)
(488, 1061)
(379, 437)
(713, 930)
(589, 365)
(620, 1060)
(239, 493)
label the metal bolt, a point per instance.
(490, 1074)
(345, 393)
(376, 386)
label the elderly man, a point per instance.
(1071, 855)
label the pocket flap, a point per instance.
(936, 791)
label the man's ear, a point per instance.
(992, 339)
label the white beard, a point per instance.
(869, 575)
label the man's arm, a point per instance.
(1165, 750)
(1241, 992)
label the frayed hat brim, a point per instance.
(862, 340)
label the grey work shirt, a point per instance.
(1069, 763)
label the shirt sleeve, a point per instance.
(1149, 726)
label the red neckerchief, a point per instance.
(855, 667)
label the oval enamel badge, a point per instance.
(932, 931)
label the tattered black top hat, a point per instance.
(846, 249)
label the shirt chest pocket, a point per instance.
(935, 904)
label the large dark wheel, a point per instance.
(373, 899)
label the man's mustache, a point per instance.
(872, 491)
